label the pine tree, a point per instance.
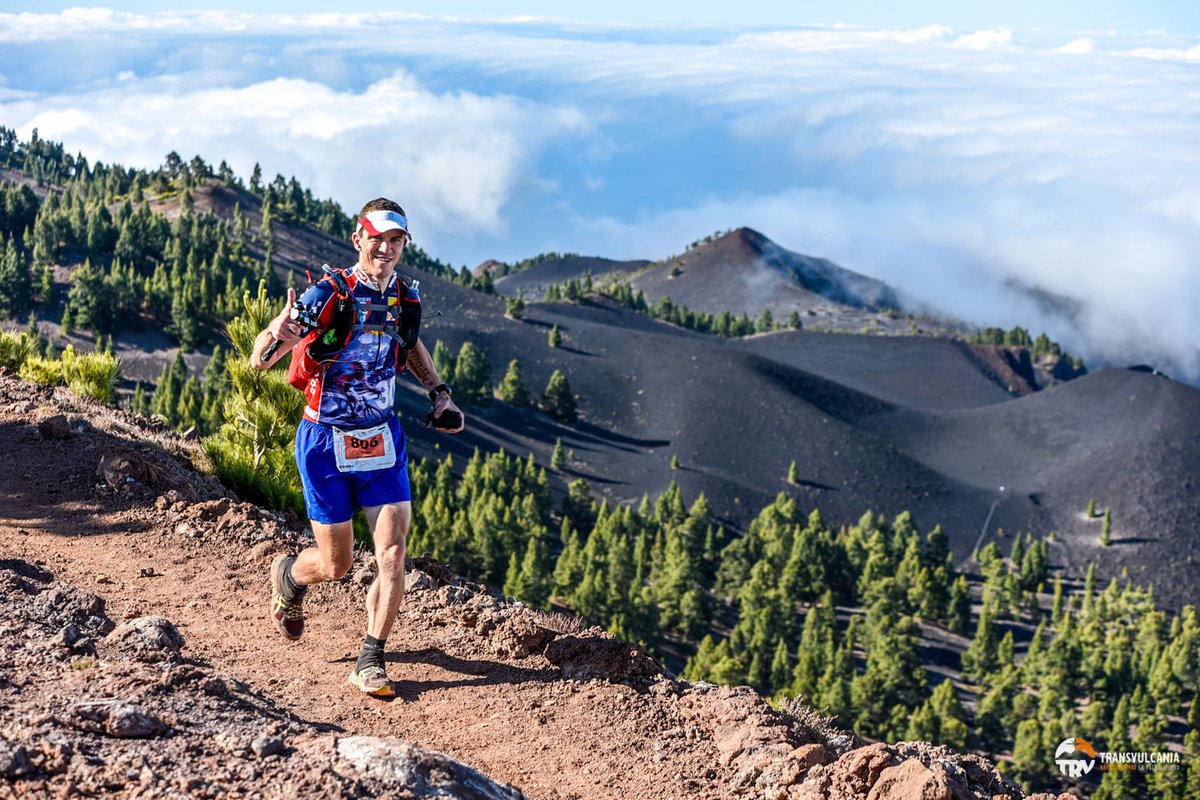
(514, 307)
(252, 451)
(1056, 608)
(1162, 683)
(1119, 784)
(15, 289)
(1017, 553)
(764, 614)
(568, 569)
(216, 389)
(877, 565)
(780, 666)
(557, 400)
(981, 658)
(512, 389)
(578, 506)
(557, 459)
(958, 612)
(698, 665)
(1191, 759)
(473, 376)
(951, 717)
(46, 286)
(443, 361)
(993, 713)
(1035, 566)
(528, 578)
(793, 474)
(923, 724)
(1167, 784)
(1029, 760)
(167, 391)
(680, 582)
(836, 683)
(893, 675)
(187, 411)
(817, 649)
(555, 335)
(1106, 528)
(138, 403)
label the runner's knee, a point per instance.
(391, 558)
(336, 566)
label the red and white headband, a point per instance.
(376, 222)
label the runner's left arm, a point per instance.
(420, 364)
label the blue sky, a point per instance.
(959, 151)
(1120, 15)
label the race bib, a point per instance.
(364, 450)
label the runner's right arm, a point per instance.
(283, 329)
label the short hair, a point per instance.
(381, 204)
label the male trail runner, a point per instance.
(349, 446)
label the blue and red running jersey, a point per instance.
(357, 389)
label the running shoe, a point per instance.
(372, 680)
(286, 610)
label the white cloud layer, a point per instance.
(457, 157)
(954, 164)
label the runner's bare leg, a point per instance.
(330, 559)
(389, 528)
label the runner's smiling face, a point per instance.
(379, 255)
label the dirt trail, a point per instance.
(517, 722)
(92, 501)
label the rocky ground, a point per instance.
(137, 660)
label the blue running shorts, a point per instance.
(330, 495)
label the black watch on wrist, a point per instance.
(435, 391)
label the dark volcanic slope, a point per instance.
(1126, 439)
(735, 420)
(895, 369)
(532, 282)
(881, 423)
(745, 272)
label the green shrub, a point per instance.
(252, 450)
(272, 482)
(46, 371)
(16, 348)
(91, 375)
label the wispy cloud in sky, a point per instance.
(959, 165)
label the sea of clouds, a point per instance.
(980, 172)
